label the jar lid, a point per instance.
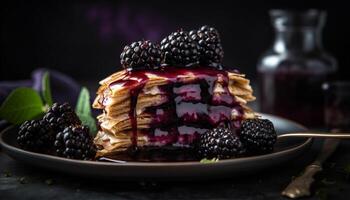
(312, 18)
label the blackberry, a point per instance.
(141, 54)
(220, 143)
(208, 39)
(258, 135)
(60, 116)
(75, 142)
(180, 50)
(35, 135)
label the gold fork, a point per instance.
(300, 186)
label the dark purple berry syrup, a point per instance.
(134, 93)
(191, 106)
(294, 95)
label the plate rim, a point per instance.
(9, 149)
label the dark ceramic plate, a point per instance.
(285, 150)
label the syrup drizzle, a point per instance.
(192, 107)
(134, 94)
(135, 85)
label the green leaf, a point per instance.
(83, 104)
(83, 110)
(89, 121)
(204, 160)
(46, 89)
(21, 105)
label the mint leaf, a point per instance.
(83, 110)
(83, 104)
(46, 89)
(21, 105)
(204, 160)
(89, 121)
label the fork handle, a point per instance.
(300, 186)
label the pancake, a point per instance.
(168, 108)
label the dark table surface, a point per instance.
(19, 181)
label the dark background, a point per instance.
(84, 39)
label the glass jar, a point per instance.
(292, 71)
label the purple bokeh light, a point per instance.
(125, 23)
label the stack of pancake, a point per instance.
(168, 108)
